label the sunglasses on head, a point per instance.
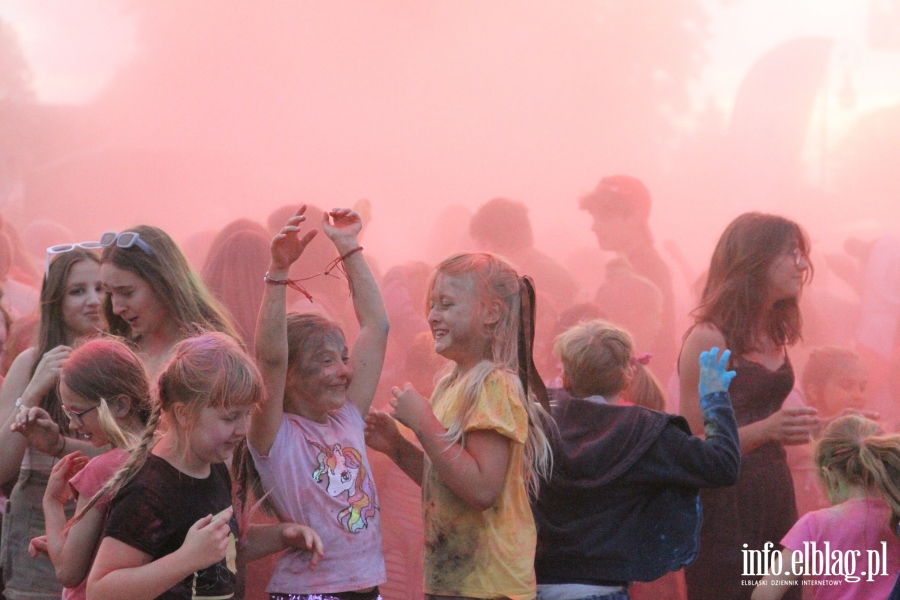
(63, 248)
(126, 239)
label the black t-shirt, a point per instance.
(154, 512)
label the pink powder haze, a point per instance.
(225, 110)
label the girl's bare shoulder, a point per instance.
(706, 335)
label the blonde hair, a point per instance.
(644, 390)
(209, 370)
(856, 450)
(496, 282)
(596, 357)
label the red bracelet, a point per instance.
(291, 283)
(351, 253)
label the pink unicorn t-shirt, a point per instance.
(318, 474)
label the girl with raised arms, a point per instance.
(307, 440)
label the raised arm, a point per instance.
(702, 338)
(705, 463)
(367, 354)
(20, 386)
(271, 333)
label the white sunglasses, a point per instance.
(63, 248)
(126, 239)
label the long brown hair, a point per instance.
(735, 295)
(173, 281)
(53, 331)
(232, 273)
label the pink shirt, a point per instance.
(88, 482)
(317, 474)
(859, 524)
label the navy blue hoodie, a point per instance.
(622, 504)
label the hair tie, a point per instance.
(643, 359)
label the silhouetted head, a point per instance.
(620, 206)
(502, 226)
(833, 379)
(233, 273)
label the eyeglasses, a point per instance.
(63, 248)
(126, 239)
(799, 257)
(76, 417)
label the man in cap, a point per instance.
(620, 206)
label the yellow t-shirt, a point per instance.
(487, 554)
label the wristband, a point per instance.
(351, 253)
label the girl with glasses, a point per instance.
(153, 297)
(70, 310)
(106, 395)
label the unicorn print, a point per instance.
(346, 473)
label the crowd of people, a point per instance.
(280, 420)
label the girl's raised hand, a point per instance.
(287, 245)
(343, 228)
(46, 373)
(39, 429)
(58, 489)
(207, 540)
(382, 433)
(304, 538)
(713, 374)
(410, 407)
